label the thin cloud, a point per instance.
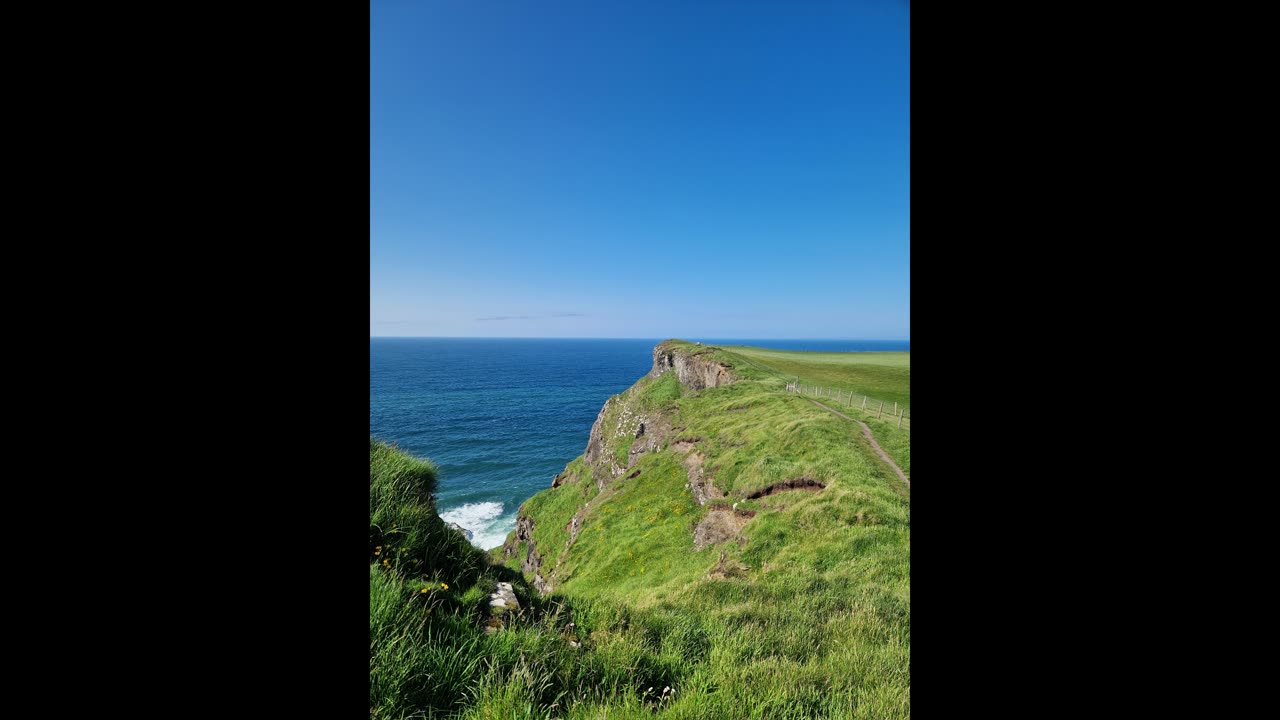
(527, 317)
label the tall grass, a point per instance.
(805, 614)
(429, 655)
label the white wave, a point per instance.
(488, 526)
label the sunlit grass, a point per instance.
(881, 375)
(805, 614)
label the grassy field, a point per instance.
(881, 375)
(803, 613)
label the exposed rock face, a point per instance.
(465, 532)
(649, 433)
(501, 601)
(602, 463)
(574, 527)
(659, 428)
(701, 484)
(531, 564)
(695, 371)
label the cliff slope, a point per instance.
(761, 530)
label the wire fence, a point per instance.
(847, 399)
(877, 409)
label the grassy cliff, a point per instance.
(430, 654)
(723, 549)
(800, 595)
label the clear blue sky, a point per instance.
(640, 169)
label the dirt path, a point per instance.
(870, 438)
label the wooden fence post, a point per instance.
(864, 402)
(895, 407)
(880, 411)
(899, 421)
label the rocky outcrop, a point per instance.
(648, 432)
(500, 602)
(465, 532)
(696, 370)
(657, 430)
(701, 483)
(602, 463)
(531, 563)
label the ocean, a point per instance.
(500, 417)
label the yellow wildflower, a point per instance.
(385, 563)
(377, 550)
(444, 585)
(426, 589)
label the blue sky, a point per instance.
(640, 169)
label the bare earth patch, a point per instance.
(700, 483)
(726, 568)
(721, 523)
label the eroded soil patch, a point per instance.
(801, 483)
(685, 444)
(700, 483)
(721, 523)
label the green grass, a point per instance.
(428, 656)
(881, 375)
(806, 614)
(818, 624)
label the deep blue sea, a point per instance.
(500, 417)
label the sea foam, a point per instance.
(488, 526)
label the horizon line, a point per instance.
(672, 337)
